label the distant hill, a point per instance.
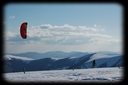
(55, 54)
(76, 60)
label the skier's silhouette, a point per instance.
(93, 63)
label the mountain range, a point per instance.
(58, 60)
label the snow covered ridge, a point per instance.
(10, 57)
(16, 63)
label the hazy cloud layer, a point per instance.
(63, 35)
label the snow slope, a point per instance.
(113, 74)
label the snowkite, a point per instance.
(23, 30)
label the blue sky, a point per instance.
(63, 27)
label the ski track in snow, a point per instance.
(76, 75)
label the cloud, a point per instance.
(8, 35)
(62, 35)
(12, 17)
(95, 25)
(46, 26)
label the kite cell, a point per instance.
(23, 30)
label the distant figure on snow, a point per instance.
(93, 63)
(24, 69)
(118, 65)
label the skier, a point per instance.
(24, 69)
(93, 63)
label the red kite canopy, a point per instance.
(23, 30)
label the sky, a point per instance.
(65, 27)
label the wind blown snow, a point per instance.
(77, 75)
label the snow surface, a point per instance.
(113, 74)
